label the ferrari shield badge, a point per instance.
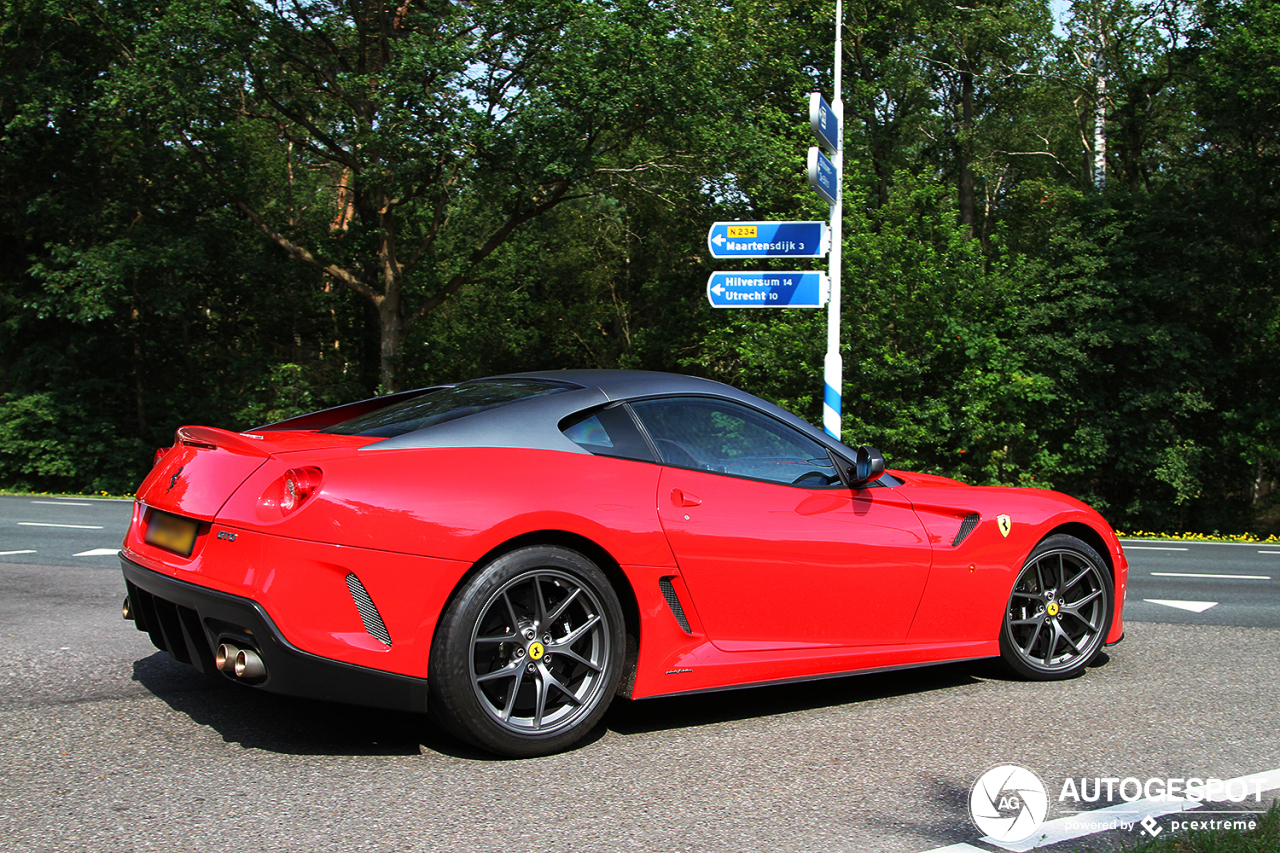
(1005, 523)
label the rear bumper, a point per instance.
(189, 622)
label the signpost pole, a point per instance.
(833, 365)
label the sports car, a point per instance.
(509, 554)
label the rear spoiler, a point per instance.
(338, 414)
(211, 438)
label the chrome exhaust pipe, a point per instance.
(226, 658)
(126, 609)
(249, 666)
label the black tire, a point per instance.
(1059, 610)
(528, 655)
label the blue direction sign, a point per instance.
(769, 240)
(823, 122)
(822, 176)
(768, 289)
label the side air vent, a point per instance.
(368, 613)
(966, 527)
(673, 601)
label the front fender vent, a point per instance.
(369, 614)
(673, 601)
(966, 527)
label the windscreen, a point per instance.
(447, 404)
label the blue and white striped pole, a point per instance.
(833, 365)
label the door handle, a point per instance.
(682, 498)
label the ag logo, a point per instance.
(1008, 803)
(1005, 523)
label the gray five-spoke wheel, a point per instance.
(1059, 611)
(528, 654)
(538, 652)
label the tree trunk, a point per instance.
(968, 208)
(1100, 126)
(391, 327)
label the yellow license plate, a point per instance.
(171, 532)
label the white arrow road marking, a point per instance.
(98, 552)
(7, 553)
(1193, 606)
(73, 526)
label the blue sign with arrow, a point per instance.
(823, 177)
(824, 123)
(769, 239)
(768, 289)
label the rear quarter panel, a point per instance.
(460, 503)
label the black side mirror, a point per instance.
(867, 467)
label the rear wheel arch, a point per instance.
(603, 560)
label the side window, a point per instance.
(607, 432)
(722, 436)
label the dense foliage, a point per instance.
(1060, 237)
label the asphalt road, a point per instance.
(1200, 583)
(106, 744)
(62, 531)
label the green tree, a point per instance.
(418, 138)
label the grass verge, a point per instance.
(1246, 538)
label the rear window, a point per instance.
(447, 404)
(607, 432)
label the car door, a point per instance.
(775, 551)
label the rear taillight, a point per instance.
(298, 485)
(292, 490)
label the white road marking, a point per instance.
(73, 526)
(60, 503)
(1152, 548)
(98, 552)
(7, 553)
(1196, 575)
(1193, 606)
(1269, 552)
(957, 848)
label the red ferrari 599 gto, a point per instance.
(511, 553)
